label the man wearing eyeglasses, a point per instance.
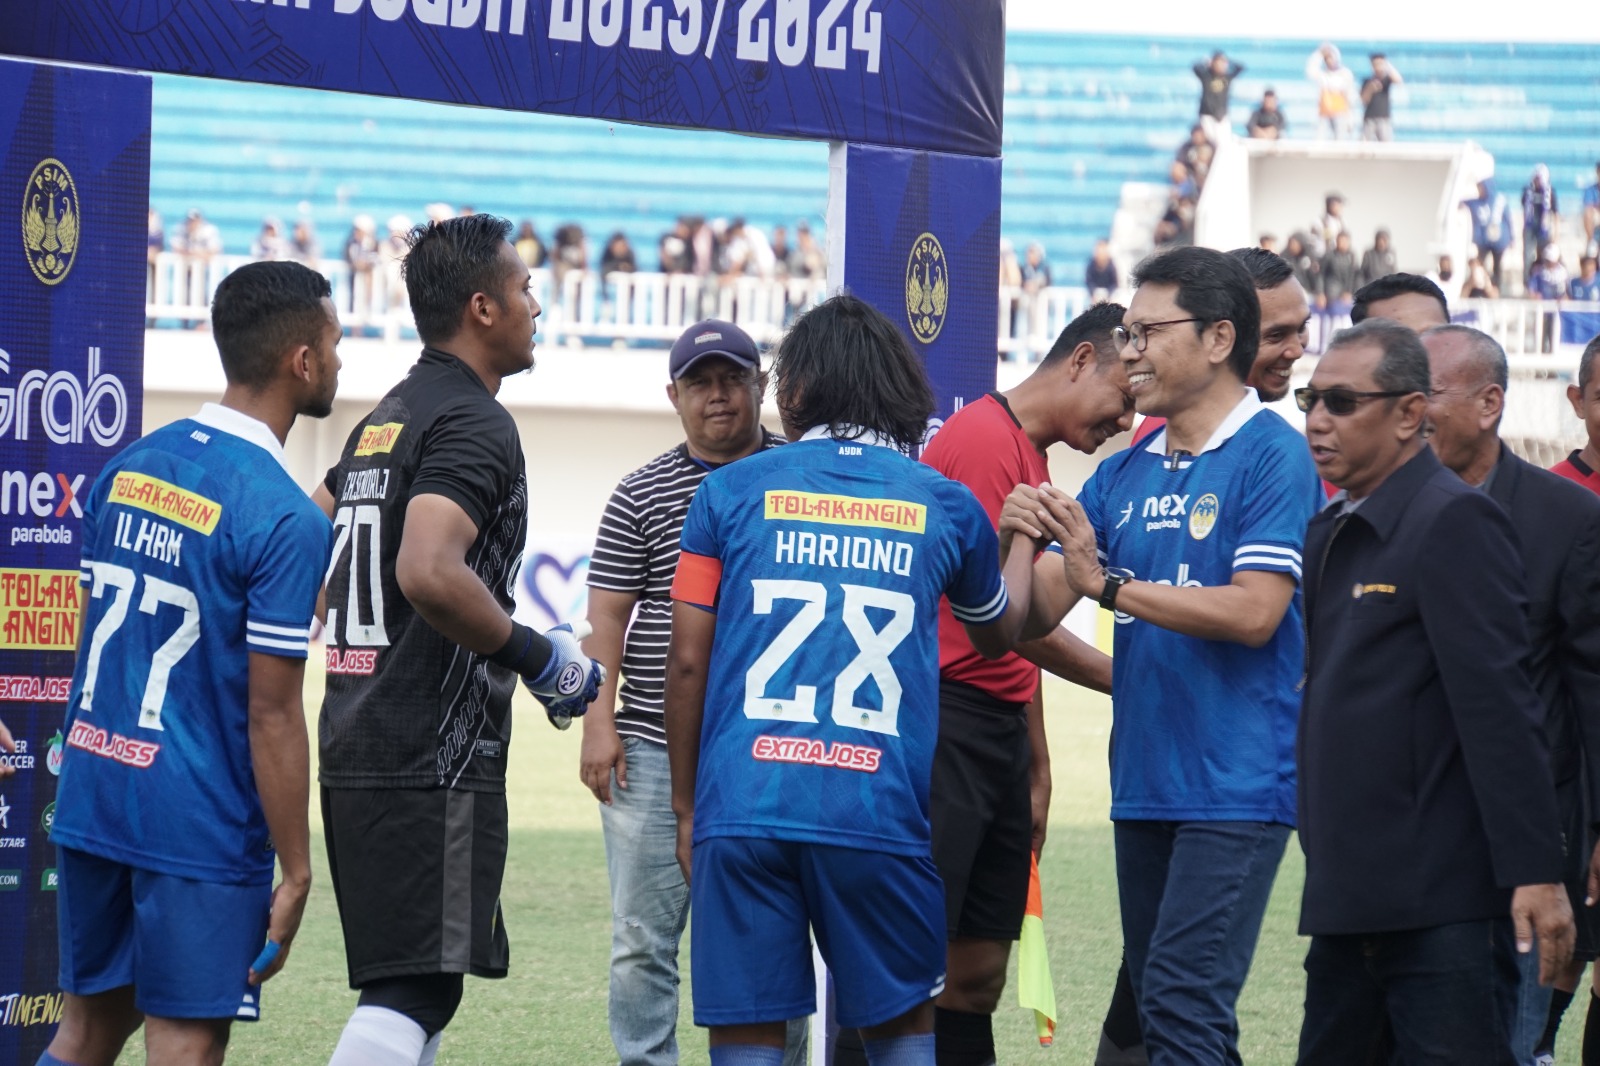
(1285, 329)
(1193, 539)
(1558, 528)
(1427, 806)
(1285, 325)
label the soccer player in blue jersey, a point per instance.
(186, 765)
(802, 697)
(1193, 539)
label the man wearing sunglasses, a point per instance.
(1427, 806)
(1193, 539)
(1558, 527)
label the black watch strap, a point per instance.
(1115, 579)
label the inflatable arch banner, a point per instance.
(75, 171)
(910, 91)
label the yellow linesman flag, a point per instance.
(1035, 989)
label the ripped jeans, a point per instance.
(649, 906)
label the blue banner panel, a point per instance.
(911, 73)
(921, 233)
(75, 159)
(1577, 327)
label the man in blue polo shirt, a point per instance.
(1193, 539)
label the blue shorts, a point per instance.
(185, 946)
(878, 920)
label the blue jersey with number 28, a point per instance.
(825, 562)
(198, 549)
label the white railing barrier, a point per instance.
(583, 308)
(586, 308)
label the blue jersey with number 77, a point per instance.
(825, 562)
(198, 549)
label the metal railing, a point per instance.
(580, 307)
(583, 307)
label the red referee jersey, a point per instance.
(983, 447)
(1573, 468)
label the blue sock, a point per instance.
(913, 1050)
(48, 1059)
(746, 1055)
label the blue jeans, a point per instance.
(1193, 895)
(1426, 997)
(1533, 1008)
(649, 907)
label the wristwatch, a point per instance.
(1116, 577)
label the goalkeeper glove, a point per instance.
(569, 682)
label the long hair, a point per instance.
(844, 365)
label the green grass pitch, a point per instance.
(551, 1011)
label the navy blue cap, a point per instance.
(712, 337)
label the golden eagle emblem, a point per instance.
(50, 221)
(927, 288)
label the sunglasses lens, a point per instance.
(1339, 401)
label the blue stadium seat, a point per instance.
(1083, 115)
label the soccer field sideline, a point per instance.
(551, 1011)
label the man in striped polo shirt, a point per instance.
(717, 384)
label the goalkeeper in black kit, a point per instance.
(429, 506)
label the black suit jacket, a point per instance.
(1425, 785)
(1558, 525)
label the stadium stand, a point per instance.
(1085, 115)
(1092, 122)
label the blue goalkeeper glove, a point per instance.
(569, 682)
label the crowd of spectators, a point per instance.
(1324, 255)
(694, 245)
(1545, 273)
(1337, 94)
(719, 251)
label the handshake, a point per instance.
(569, 681)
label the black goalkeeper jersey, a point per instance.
(405, 707)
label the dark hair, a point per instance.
(449, 261)
(1391, 285)
(1377, 55)
(1095, 326)
(844, 365)
(1403, 366)
(1586, 362)
(260, 311)
(1484, 349)
(1267, 269)
(1212, 287)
